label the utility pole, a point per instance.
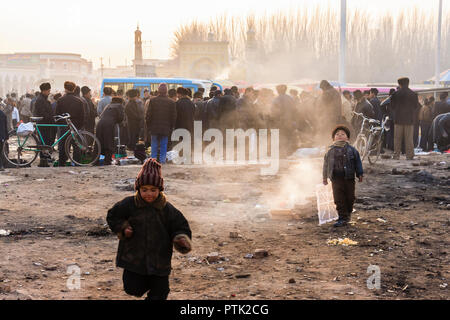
(101, 66)
(343, 38)
(438, 46)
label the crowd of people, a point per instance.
(138, 122)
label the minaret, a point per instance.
(137, 46)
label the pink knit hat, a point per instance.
(150, 174)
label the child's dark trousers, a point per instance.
(344, 196)
(136, 285)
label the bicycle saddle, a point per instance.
(36, 119)
(374, 121)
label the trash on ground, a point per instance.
(342, 242)
(5, 232)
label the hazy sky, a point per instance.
(100, 28)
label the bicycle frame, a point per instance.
(378, 131)
(41, 139)
(51, 125)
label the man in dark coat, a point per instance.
(160, 118)
(71, 104)
(185, 111)
(200, 110)
(89, 122)
(362, 106)
(405, 106)
(442, 106)
(284, 116)
(387, 111)
(213, 109)
(134, 118)
(227, 105)
(245, 108)
(112, 115)
(3, 138)
(43, 109)
(331, 105)
(77, 94)
(33, 101)
(375, 102)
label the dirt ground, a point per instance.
(57, 219)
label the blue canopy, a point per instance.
(444, 77)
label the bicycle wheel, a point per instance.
(361, 145)
(20, 151)
(375, 149)
(84, 150)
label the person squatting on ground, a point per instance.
(341, 163)
(148, 227)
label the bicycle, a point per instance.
(361, 143)
(81, 147)
(375, 141)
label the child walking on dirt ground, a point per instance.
(341, 163)
(148, 226)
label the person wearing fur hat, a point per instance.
(112, 115)
(341, 163)
(134, 118)
(148, 227)
(160, 117)
(43, 109)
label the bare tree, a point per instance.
(298, 45)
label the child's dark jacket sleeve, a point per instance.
(325, 167)
(117, 217)
(358, 164)
(179, 225)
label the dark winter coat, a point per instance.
(43, 108)
(112, 115)
(284, 111)
(227, 106)
(405, 106)
(161, 116)
(376, 104)
(134, 113)
(149, 250)
(91, 115)
(440, 107)
(200, 106)
(185, 114)
(366, 109)
(247, 114)
(3, 126)
(73, 105)
(213, 110)
(352, 164)
(439, 127)
(331, 103)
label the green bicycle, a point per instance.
(81, 147)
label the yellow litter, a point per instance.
(343, 242)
